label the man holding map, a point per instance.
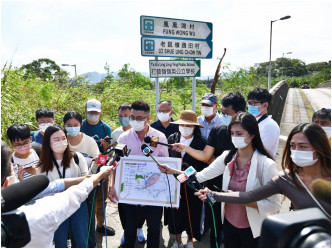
(134, 138)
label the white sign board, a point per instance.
(175, 68)
(163, 47)
(139, 181)
(169, 27)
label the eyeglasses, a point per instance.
(138, 118)
(25, 145)
(253, 102)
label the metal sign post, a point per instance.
(157, 93)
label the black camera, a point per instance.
(302, 228)
(14, 228)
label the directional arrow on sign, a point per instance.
(176, 28)
(168, 47)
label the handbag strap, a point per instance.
(313, 197)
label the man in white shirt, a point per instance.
(258, 103)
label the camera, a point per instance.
(14, 228)
(302, 228)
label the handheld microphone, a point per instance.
(120, 150)
(190, 172)
(20, 193)
(154, 141)
(321, 189)
(146, 150)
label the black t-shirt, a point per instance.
(219, 140)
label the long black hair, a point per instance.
(249, 123)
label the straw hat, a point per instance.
(188, 117)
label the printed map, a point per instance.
(139, 181)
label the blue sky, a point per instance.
(91, 33)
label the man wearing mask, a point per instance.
(210, 116)
(99, 130)
(218, 141)
(45, 118)
(258, 103)
(124, 113)
(322, 117)
(164, 115)
(134, 138)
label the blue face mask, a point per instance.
(124, 121)
(225, 119)
(253, 110)
(73, 131)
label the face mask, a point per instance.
(137, 125)
(327, 130)
(163, 117)
(226, 119)
(23, 150)
(303, 158)
(253, 110)
(186, 131)
(207, 111)
(124, 121)
(94, 118)
(43, 126)
(73, 131)
(60, 146)
(239, 142)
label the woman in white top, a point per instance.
(247, 166)
(57, 161)
(78, 141)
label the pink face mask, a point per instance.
(23, 149)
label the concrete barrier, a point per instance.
(279, 94)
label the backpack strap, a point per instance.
(76, 159)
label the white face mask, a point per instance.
(43, 126)
(186, 131)
(60, 146)
(303, 158)
(93, 117)
(163, 117)
(327, 130)
(207, 111)
(239, 142)
(137, 125)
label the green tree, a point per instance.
(44, 69)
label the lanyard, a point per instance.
(63, 175)
(262, 118)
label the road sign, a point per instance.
(168, 47)
(175, 68)
(176, 28)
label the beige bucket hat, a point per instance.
(188, 117)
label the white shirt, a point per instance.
(46, 214)
(269, 131)
(116, 134)
(32, 160)
(87, 146)
(185, 141)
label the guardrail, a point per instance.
(279, 94)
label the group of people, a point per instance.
(232, 151)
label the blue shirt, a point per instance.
(208, 126)
(98, 131)
(171, 129)
(52, 188)
(37, 137)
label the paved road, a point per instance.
(318, 97)
(295, 112)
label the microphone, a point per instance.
(191, 181)
(146, 150)
(321, 189)
(154, 141)
(20, 193)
